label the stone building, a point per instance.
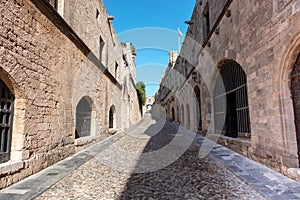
(253, 46)
(66, 81)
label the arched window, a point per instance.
(231, 103)
(198, 107)
(83, 118)
(6, 120)
(295, 83)
(112, 117)
(188, 115)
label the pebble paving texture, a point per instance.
(155, 159)
(187, 178)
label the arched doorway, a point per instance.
(231, 104)
(198, 107)
(83, 118)
(112, 117)
(295, 84)
(6, 121)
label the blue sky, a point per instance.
(151, 25)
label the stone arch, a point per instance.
(85, 116)
(295, 90)
(289, 57)
(11, 84)
(287, 110)
(231, 106)
(17, 150)
(231, 54)
(112, 117)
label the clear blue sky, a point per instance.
(151, 25)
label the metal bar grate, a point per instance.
(83, 118)
(231, 108)
(6, 117)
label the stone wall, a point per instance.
(49, 68)
(264, 38)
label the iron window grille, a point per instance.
(6, 121)
(231, 108)
(83, 119)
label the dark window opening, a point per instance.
(125, 61)
(97, 13)
(101, 44)
(173, 114)
(198, 107)
(177, 109)
(231, 109)
(83, 118)
(116, 70)
(206, 28)
(54, 3)
(6, 121)
(182, 115)
(295, 84)
(111, 117)
(188, 115)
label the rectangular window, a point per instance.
(206, 28)
(101, 44)
(97, 14)
(54, 3)
(116, 70)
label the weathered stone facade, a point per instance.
(49, 61)
(261, 39)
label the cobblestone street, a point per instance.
(187, 178)
(116, 171)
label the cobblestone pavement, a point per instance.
(116, 172)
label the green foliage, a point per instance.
(141, 90)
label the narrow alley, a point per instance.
(116, 169)
(117, 100)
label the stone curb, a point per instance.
(34, 185)
(267, 182)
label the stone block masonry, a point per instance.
(263, 39)
(48, 69)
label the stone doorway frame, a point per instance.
(295, 90)
(287, 62)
